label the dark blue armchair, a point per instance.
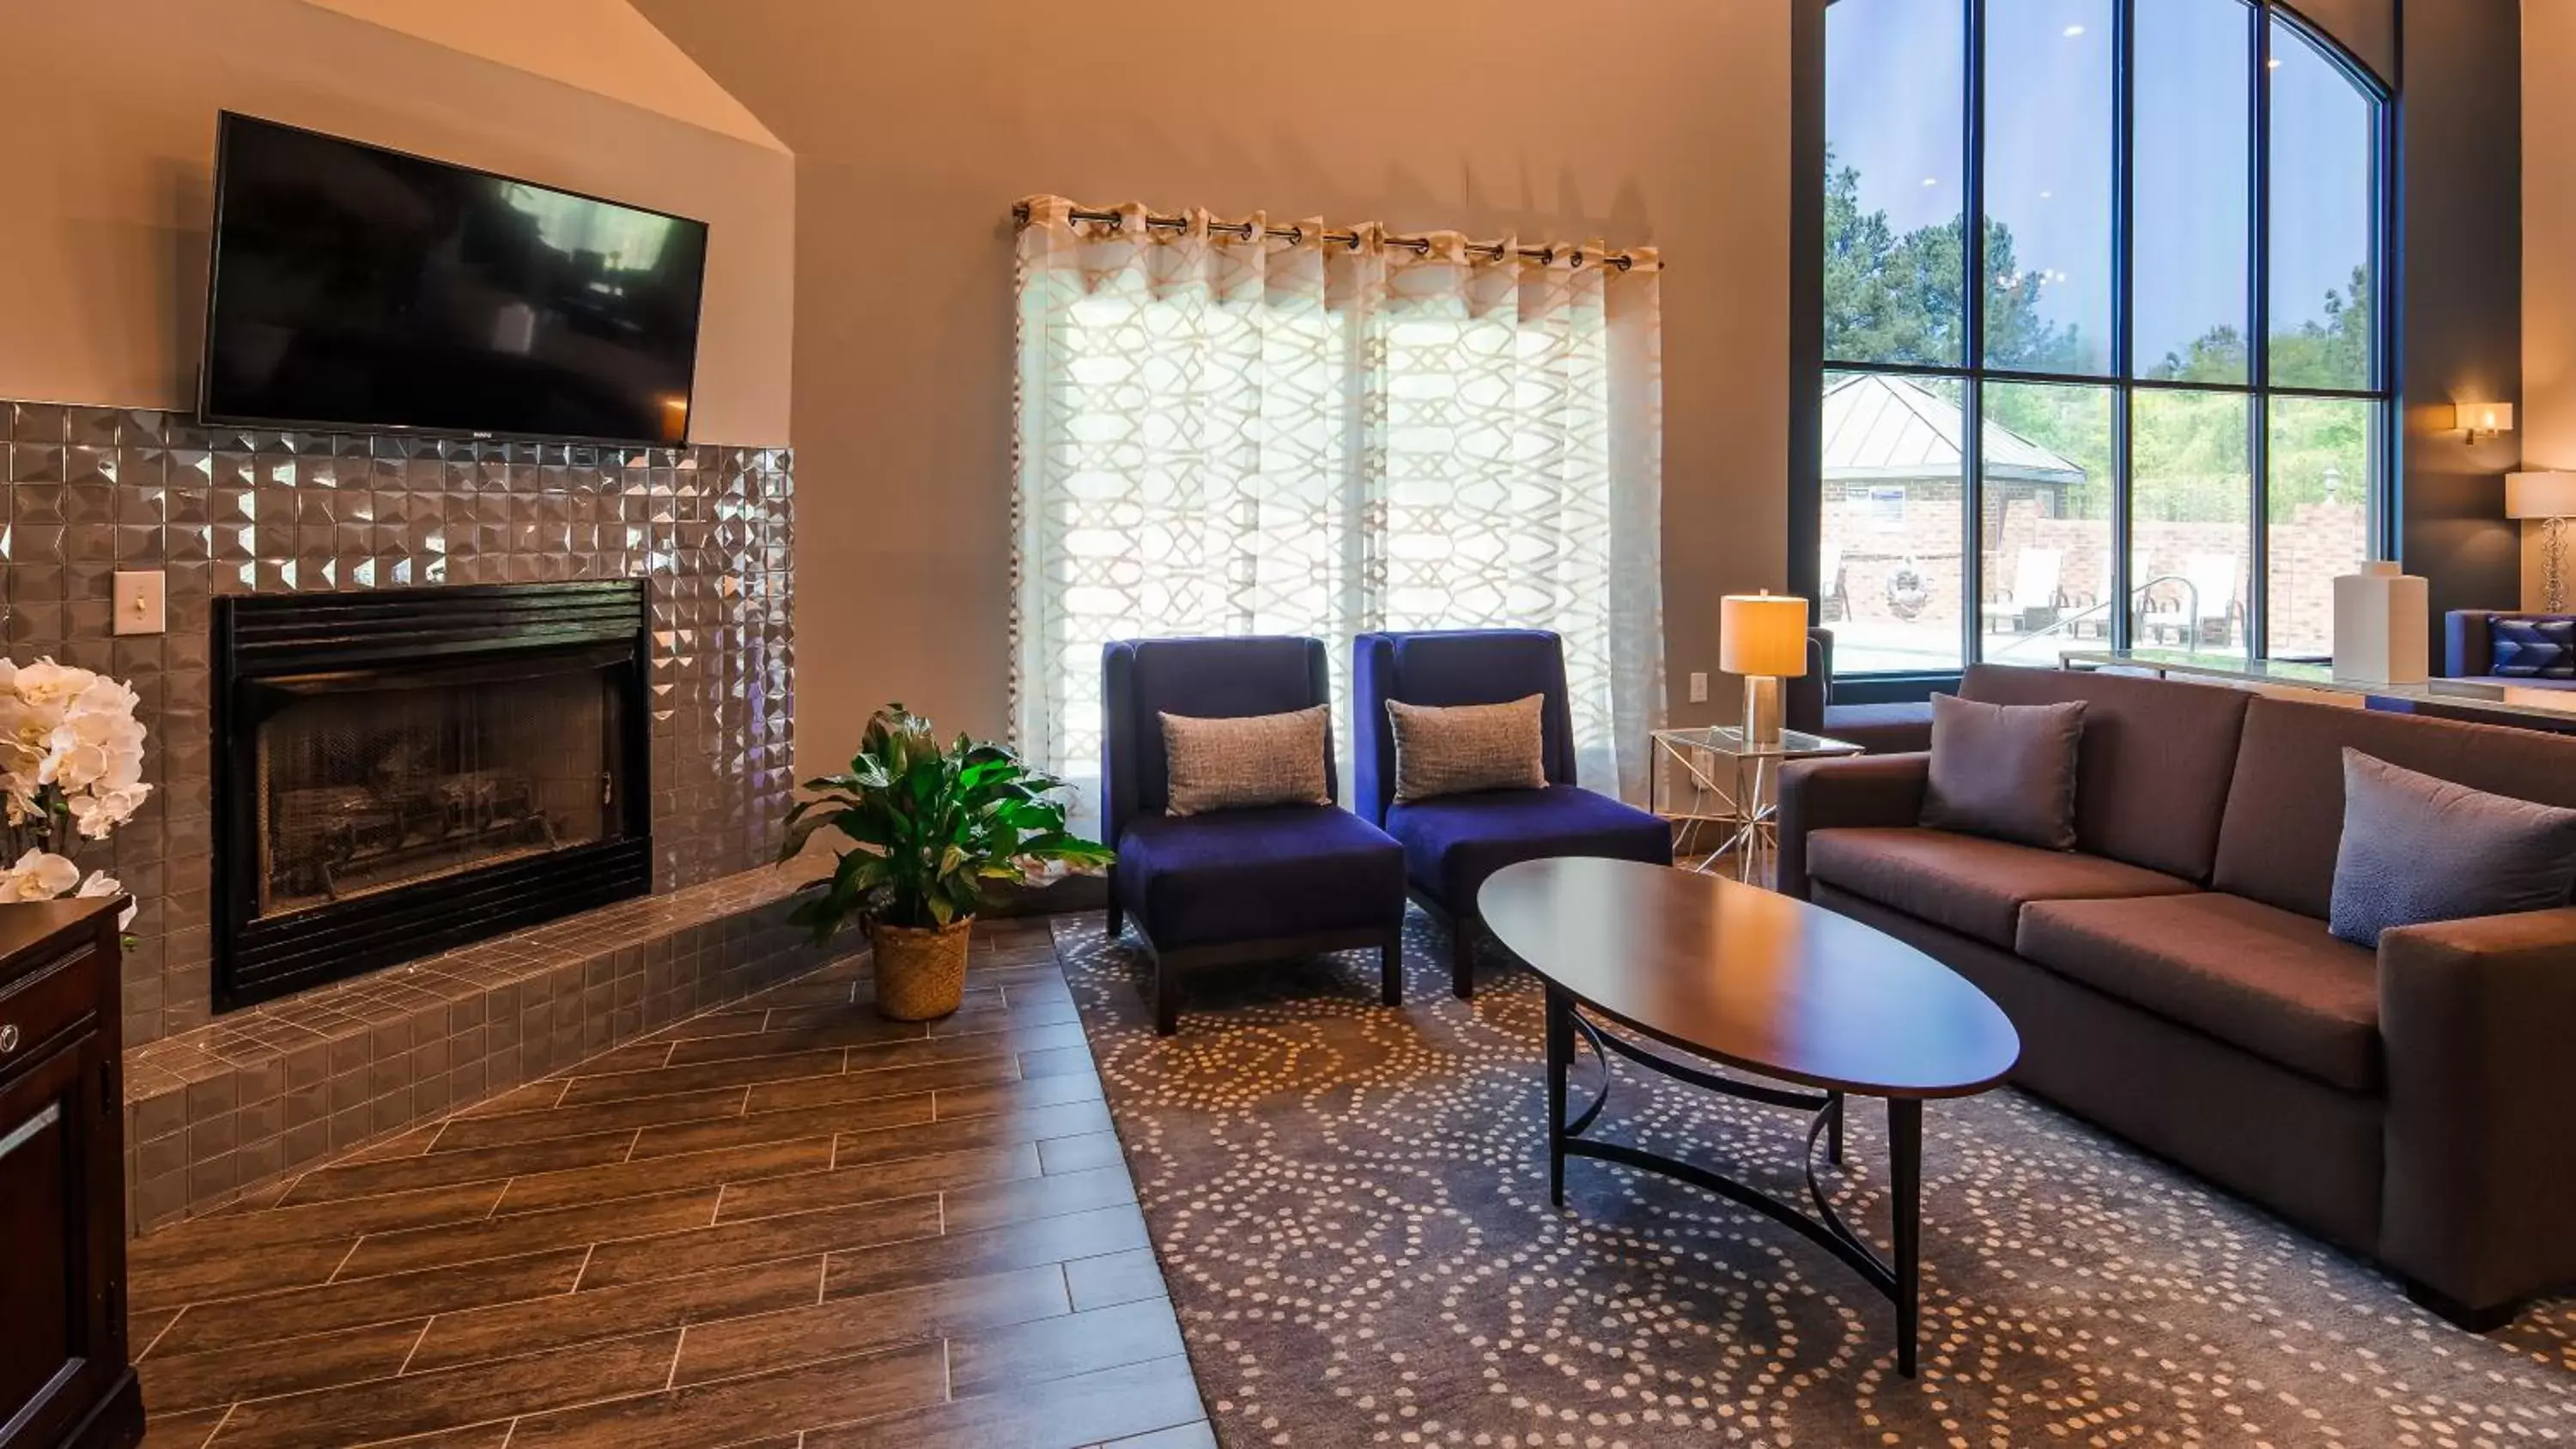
(1234, 885)
(1453, 842)
(2494, 646)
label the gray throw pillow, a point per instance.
(2005, 770)
(1459, 748)
(1260, 759)
(2416, 849)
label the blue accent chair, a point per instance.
(1453, 842)
(1233, 885)
(1893, 728)
(2497, 646)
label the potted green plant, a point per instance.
(928, 828)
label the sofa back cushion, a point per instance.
(2152, 774)
(2285, 807)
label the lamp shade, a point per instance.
(2540, 495)
(1762, 634)
(2482, 417)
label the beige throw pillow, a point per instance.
(1466, 747)
(1261, 759)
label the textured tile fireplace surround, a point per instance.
(220, 1105)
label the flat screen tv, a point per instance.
(360, 288)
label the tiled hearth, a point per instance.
(228, 1108)
(220, 1104)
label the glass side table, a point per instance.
(1734, 789)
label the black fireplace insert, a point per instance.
(401, 771)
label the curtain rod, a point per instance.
(1419, 246)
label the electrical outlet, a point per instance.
(141, 603)
(1699, 688)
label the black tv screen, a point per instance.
(356, 287)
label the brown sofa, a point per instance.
(2173, 979)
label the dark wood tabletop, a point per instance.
(1750, 977)
(27, 923)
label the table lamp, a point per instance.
(2551, 498)
(1762, 637)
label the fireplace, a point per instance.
(401, 771)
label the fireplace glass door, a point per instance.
(404, 771)
(366, 787)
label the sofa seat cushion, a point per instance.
(1970, 884)
(1453, 842)
(1265, 873)
(2258, 977)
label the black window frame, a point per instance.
(1809, 365)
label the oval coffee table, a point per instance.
(1772, 986)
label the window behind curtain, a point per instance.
(1219, 439)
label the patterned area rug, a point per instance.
(1351, 1208)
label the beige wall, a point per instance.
(107, 121)
(602, 46)
(2548, 420)
(916, 127)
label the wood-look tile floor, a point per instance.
(787, 1223)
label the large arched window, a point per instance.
(2146, 399)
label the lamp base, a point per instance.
(2553, 565)
(1761, 709)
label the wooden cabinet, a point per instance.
(65, 1377)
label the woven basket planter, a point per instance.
(921, 974)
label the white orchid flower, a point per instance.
(100, 883)
(48, 685)
(71, 750)
(38, 876)
(97, 813)
(106, 696)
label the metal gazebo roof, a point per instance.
(1881, 426)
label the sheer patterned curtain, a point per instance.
(1231, 435)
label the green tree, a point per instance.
(1896, 298)
(2318, 447)
(2334, 352)
(2329, 352)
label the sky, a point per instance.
(1894, 111)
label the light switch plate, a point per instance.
(142, 603)
(1699, 689)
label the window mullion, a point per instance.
(2124, 366)
(2258, 355)
(1972, 402)
(2385, 363)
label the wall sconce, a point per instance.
(2488, 418)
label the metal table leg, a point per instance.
(1897, 1275)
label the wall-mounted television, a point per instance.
(360, 288)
